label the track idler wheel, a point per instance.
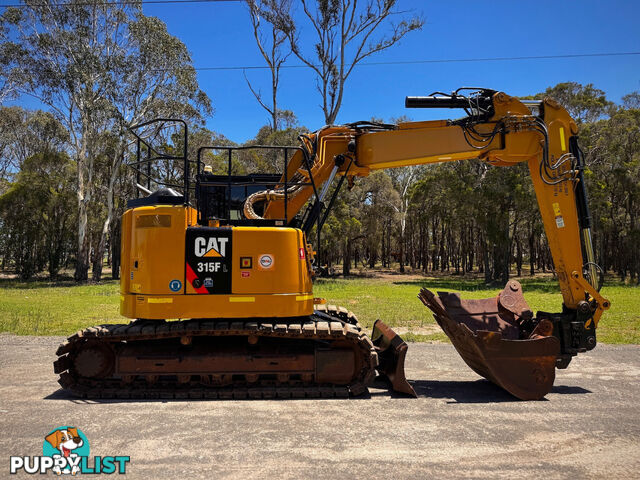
(94, 360)
(499, 339)
(392, 350)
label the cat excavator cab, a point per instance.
(229, 257)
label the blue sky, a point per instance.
(219, 34)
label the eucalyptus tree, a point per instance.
(631, 100)
(346, 32)
(154, 78)
(7, 80)
(378, 203)
(36, 212)
(98, 67)
(613, 175)
(24, 133)
(271, 43)
(585, 103)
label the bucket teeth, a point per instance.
(491, 337)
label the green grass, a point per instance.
(395, 302)
(61, 308)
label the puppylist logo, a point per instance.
(65, 450)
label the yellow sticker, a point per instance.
(302, 298)
(242, 299)
(563, 145)
(160, 300)
(556, 209)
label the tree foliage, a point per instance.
(585, 103)
(98, 67)
(37, 213)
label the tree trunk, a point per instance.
(532, 252)
(518, 256)
(471, 248)
(115, 251)
(82, 260)
(373, 254)
(84, 166)
(346, 258)
(441, 251)
(102, 244)
(488, 273)
(401, 252)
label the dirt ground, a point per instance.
(460, 426)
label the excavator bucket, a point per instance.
(392, 350)
(499, 340)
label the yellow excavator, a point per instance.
(229, 257)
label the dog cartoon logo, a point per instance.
(69, 443)
(65, 450)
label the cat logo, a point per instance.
(208, 260)
(214, 247)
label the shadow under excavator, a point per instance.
(64, 395)
(469, 391)
(477, 391)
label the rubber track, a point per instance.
(327, 323)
